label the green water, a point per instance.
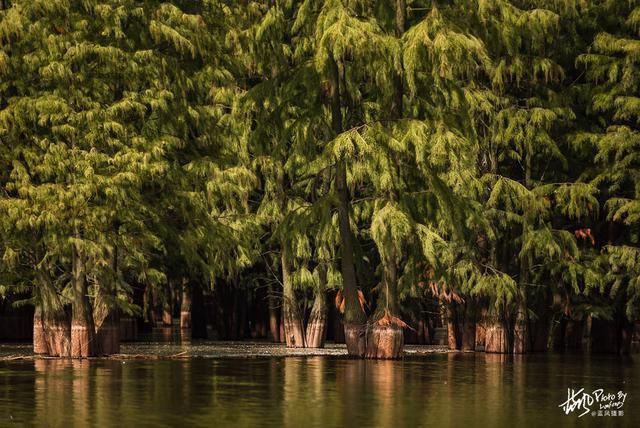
(428, 390)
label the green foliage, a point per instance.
(481, 140)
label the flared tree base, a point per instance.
(385, 342)
(39, 337)
(57, 335)
(496, 339)
(374, 341)
(185, 319)
(82, 341)
(316, 330)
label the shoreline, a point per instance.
(207, 350)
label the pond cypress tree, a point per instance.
(611, 67)
(72, 123)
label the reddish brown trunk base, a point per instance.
(453, 332)
(39, 337)
(469, 337)
(167, 320)
(374, 341)
(274, 326)
(384, 342)
(82, 341)
(185, 319)
(481, 334)
(293, 331)
(496, 339)
(469, 327)
(316, 330)
(58, 337)
(355, 338)
(520, 338)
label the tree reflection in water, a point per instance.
(439, 390)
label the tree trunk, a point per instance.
(56, 328)
(58, 333)
(384, 342)
(520, 330)
(496, 341)
(354, 317)
(107, 316)
(108, 332)
(185, 305)
(317, 325)
(274, 325)
(355, 337)
(39, 336)
(387, 341)
(452, 326)
(469, 326)
(388, 297)
(293, 327)
(167, 300)
(107, 321)
(539, 328)
(481, 327)
(398, 82)
(83, 338)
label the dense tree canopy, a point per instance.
(477, 157)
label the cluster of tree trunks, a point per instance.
(93, 328)
(468, 329)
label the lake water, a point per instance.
(437, 389)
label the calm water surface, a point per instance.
(441, 390)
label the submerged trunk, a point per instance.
(481, 327)
(317, 325)
(520, 329)
(167, 300)
(293, 327)
(107, 321)
(539, 329)
(469, 326)
(274, 326)
(39, 337)
(57, 333)
(107, 316)
(185, 305)
(452, 326)
(107, 330)
(496, 340)
(83, 341)
(53, 337)
(384, 342)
